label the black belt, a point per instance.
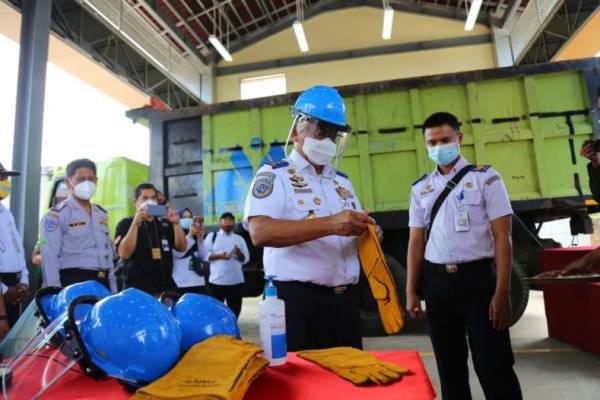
(10, 278)
(336, 290)
(454, 268)
(100, 273)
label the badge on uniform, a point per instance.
(156, 253)
(461, 221)
(50, 224)
(426, 189)
(311, 215)
(298, 181)
(263, 185)
(291, 171)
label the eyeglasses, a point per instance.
(321, 129)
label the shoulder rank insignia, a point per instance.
(59, 207)
(481, 168)
(278, 164)
(101, 209)
(263, 185)
(420, 179)
(340, 173)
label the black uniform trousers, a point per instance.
(458, 307)
(192, 289)
(229, 294)
(69, 276)
(319, 317)
(13, 311)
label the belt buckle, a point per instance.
(339, 289)
(451, 268)
(101, 274)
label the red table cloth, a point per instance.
(571, 308)
(298, 379)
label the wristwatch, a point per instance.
(3, 317)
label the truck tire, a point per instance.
(519, 292)
(369, 314)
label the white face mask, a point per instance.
(319, 152)
(84, 190)
(143, 204)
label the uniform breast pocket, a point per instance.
(306, 207)
(472, 198)
(76, 231)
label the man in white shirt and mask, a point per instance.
(227, 252)
(308, 216)
(75, 242)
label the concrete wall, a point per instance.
(359, 28)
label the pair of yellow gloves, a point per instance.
(219, 368)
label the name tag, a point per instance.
(461, 221)
(165, 245)
(156, 253)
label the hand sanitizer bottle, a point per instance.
(271, 312)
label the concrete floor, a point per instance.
(548, 369)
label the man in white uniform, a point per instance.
(307, 216)
(13, 270)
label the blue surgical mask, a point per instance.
(186, 223)
(443, 154)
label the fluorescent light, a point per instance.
(300, 37)
(388, 21)
(473, 13)
(220, 48)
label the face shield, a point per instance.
(322, 130)
(41, 363)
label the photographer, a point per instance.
(187, 278)
(145, 243)
(593, 167)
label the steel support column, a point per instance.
(29, 117)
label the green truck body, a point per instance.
(527, 122)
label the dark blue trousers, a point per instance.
(457, 312)
(319, 317)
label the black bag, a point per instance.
(197, 264)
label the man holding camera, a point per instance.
(75, 242)
(145, 243)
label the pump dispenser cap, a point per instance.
(270, 290)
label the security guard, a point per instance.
(308, 216)
(75, 242)
(467, 259)
(13, 270)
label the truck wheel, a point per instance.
(369, 314)
(519, 292)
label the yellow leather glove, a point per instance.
(219, 368)
(381, 281)
(356, 366)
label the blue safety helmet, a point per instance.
(61, 301)
(43, 299)
(201, 317)
(323, 103)
(131, 336)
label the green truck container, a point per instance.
(117, 179)
(527, 122)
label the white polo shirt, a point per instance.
(226, 272)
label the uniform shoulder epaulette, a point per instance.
(340, 173)
(481, 168)
(101, 209)
(278, 164)
(420, 179)
(57, 208)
